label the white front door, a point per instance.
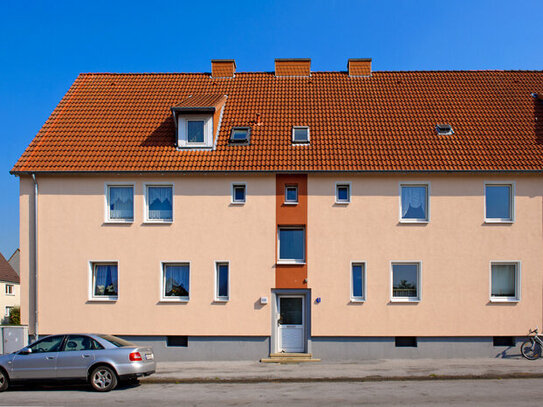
(291, 323)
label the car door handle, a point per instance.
(49, 357)
(86, 356)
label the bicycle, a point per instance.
(531, 349)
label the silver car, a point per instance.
(101, 360)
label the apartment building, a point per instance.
(9, 290)
(235, 215)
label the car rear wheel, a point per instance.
(4, 380)
(103, 378)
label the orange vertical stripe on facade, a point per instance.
(291, 276)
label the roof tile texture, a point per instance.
(386, 122)
(6, 271)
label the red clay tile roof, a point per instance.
(6, 271)
(200, 101)
(386, 122)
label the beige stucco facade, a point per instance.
(12, 299)
(455, 247)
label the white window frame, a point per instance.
(103, 298)
(419, 281)
(364, 279)
(146, 201)
(301, 142)
(7, 310)
(107, 211)
(232, 193)
(291, 261)
(286, 202)
(163, 297)
(511, 184)
(10, 289)
(515, 263)
(218, 298)
(428, 194)
(183, 120)
(343, 184)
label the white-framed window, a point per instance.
(499, 202)
(8, 310)
(343, 192)
(291, 244)
(414, 202)
(300, 134)
(504, 281)
(158, 203)
(195, 131)
(239, 193)
(358, 281)
(222, 281)
(405, 281)
(291, 194)
(175, 281)
(120, 203)
(10, 289)
(104, 281)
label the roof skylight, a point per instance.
(300, 134)
(444, 129)
(240, 135)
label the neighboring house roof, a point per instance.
(14, 261)
(385, 122)
(6, 271)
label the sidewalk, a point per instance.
(370, 370)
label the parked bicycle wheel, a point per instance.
(531, 350)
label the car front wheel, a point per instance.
(4, 380)
(103, 378)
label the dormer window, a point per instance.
(444, 129)
(195, 131)
(240, 135)
(300, 134)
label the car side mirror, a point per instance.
(25, 351)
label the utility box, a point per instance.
(13, 338)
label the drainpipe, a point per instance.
(35, 254)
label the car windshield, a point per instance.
(118, 342)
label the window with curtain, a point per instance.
(222, 282)
(498, 202)
(357, 281)
(292, 245)
(160, 203)
(504, 281)
(414, 202)
(176, 280)
(105, 280)
(121, 203)
(405, 281)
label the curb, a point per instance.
(217, 380)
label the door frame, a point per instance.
(306, 294)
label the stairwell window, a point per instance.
(414, 203)
(120, 203)
(159, 203)
(291, 194)
(291, 245)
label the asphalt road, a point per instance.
(510, 392)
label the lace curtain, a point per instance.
(121, 202)
(160, 203)
(413, 202)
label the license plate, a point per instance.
(149, 356)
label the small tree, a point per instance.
(15, 316)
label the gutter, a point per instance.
(35, 255)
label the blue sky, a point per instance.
(45, 45)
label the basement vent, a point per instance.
(406, 341)
(444, 129)
(503, 341)
(177, 341)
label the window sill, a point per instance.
(290, 203)
(195, 147)
(221, 300)
(291, 262)
(117, 221)
(237, 203)
(407, 221)
(494, 221)
(405, 300)
(105, 299)
(175, 299)
(504, 299)
(358, 300)
(343, 202)
(10, 295)
(158, 222)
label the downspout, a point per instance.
(35, 254)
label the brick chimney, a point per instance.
(223, 68)
(359, 67)
(292, 67)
